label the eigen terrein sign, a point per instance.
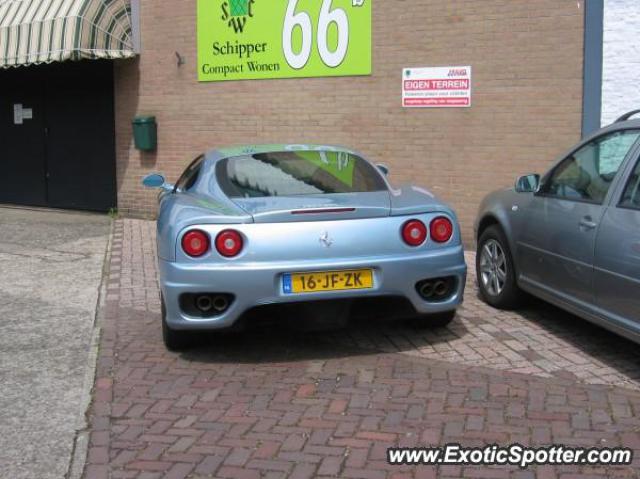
(436, 87)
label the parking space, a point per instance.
(51, 266)
(273, 402)
(538, 339)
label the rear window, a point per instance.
(294, 173)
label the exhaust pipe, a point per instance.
(441, 288)
(427, 289)
(220, 304)
(436, 289)
(204, 303)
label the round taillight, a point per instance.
(441, 229)
(195, 243)
(414, 232)
(229, 243)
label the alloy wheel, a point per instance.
(493, 267)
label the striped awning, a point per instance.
(45, 31)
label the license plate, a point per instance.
(294, 283)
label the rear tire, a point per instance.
(173, 340)
(438, 320)
(496, 270)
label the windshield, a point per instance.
(294, 173)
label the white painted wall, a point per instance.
(621, 59)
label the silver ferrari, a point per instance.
(315, 232)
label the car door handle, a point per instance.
(587, 223)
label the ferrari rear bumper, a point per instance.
(256, 284)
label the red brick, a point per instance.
(257, 426)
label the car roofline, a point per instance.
(620, 125)
(613, 127)
(233, 151)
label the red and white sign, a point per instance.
(438, 87)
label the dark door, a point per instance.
(22, 140)
(80, 140)
(64, 155)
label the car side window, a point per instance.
(631, 195)
(190, 175)
(589, 172)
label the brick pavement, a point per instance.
(277, 403)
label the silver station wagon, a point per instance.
(315, 229)
(571, 237)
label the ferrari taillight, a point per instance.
(195, 243)
(414, 232)
(229, 243)
(441, 229)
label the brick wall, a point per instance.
(621, 59)
(527, 96)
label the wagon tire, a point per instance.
(495, 270)
(173, 340)
(438, 320)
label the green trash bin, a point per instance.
(145, 133)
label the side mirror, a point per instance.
(528, 184)
(384, 168)
(156, 180)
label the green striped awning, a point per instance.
(44, 31)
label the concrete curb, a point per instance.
(81, 442)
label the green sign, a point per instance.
(338, 164)
(258, 39)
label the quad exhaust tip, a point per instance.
(204, 303)
(220, 303)
(440, 288)
(427, 289)
(212, 303)
(437, 289)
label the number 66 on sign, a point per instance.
(260, 39)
